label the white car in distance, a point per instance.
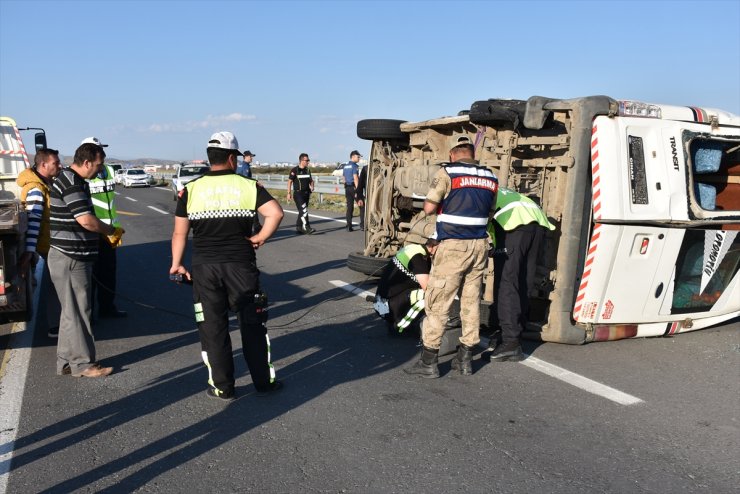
(136, 177)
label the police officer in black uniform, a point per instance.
(300, 185)
(220, 208)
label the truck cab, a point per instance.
(15, 286)
(645, 199)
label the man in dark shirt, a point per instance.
(220, 207)
(300, 186)
(74, 247)
(360, 193)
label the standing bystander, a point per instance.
(35, 183)
(351, 180)
(224, 272)
(102, 190)
(360, 194)
(74, 247)
(300, 186)
(245, 170)
(463, 195)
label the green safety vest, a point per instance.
(221, 196)
(103, 196)
(514, 210)
(404, 255)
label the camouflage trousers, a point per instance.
(457, 268)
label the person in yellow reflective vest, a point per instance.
(517, 231)
(102, 190)
(220, 208)
(399, 299)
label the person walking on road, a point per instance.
(517, 232)
(74, 246)
(220, 207)
(351, 181)
(463, 195)
(300, 186)
(35, 184)
(102, 189)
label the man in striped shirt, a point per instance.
(35, 183)
(74, 247)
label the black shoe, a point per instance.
(53, 332)
(220, 395)
(463, 361)
(350, 229)
(510, 351)
(273, 387)
(426, 366)
(309, 231)
(112, 314)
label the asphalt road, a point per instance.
(348, 419)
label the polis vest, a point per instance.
(403, 257)
(221, 196)
(103, 196)
(464, 213)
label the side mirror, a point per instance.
(40, 140)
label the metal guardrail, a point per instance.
(321, 184)
(325, 184)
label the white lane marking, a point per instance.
(131, 199)
(580, 381)
(158, 210)
(534, 363)
(352, 289)
(13, 371)
(320, 217)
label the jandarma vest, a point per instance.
(103, 196)
(402, 259)
(221, 196)
(463, 214)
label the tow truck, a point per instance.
(15, 287)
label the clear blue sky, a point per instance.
(155, 78)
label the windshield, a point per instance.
(707, 263)
(189, 172)
(136, 172)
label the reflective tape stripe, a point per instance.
(461, 220)
(513, 205)
(99, 203)
(469, 170)
(303, 176)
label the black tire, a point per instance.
(373, 129)
(371, 266)
(498, 112)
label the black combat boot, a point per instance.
(426, 366)
(510, 351)
(463, 361)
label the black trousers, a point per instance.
(514, 263)
(349, 194)
(301, 198)
(104, 283)
(218, 288)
